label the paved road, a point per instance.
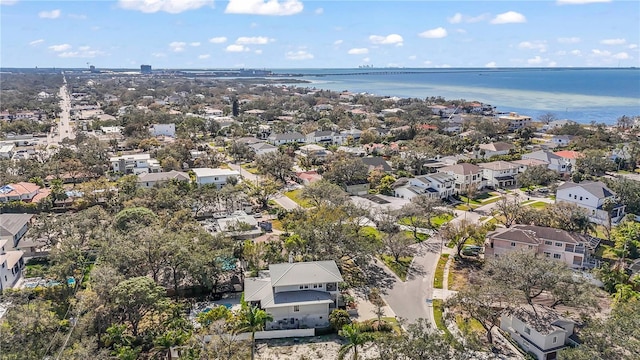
(64, 128)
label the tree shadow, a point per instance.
(376, 277)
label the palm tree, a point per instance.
(356, 338)
(252, 319)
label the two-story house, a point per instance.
(134, 164)
(11, 266)
(553, 161)
(286, 138)
(538, 330)
(514, 121)
(465, 175)
(261, 148)
(595, 197)
(218, 177)
(500, 174)
(296, 295)
(325, 137)
(435, 186)
(13, 227)
(149, 180)
(570, 248)
(486, 151)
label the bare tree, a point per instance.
(509, 210)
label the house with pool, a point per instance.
(297, 295)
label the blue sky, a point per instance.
(319, 34)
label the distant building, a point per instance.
(163, 130)
(145, 69)
(134, 164)
(218, 177)
(515, 121)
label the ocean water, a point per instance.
(583, 95)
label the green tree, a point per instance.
(338, 318)
(252, 319)
(323, 191)
(461, 233)
(136, 298)
(276, 164)
(355, 339)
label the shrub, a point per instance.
(339, 318)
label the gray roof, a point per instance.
(535, 235)
(256, 289)
(10, 224)
(322, 133)
(596, 188)
(262, 146)
(497, 146)
(441, 177)
(287, 136)
(163, 176)
(287, 274)
(377, 162)
(462, 169)
(498, 165)
(547, 156)
(289, 298)
(544, 320)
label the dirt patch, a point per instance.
(313, 348)
(459, 272)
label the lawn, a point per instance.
(37, 267)
(250, 168)
(606, 252)
(295, 196)
(438, 309)
(395, 325)
(538, 205)
(440, 220)
(421, 237)
(467, 325)
(277, 225)
(370, 231)
(438, 278)
(399, 268)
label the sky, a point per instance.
(319, 34)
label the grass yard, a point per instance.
(395, 325)
(38, 267)
(438, 278)
(438, 309)
(295, 196)
(277, 225)
(538, 205)
(467, 325)
(421, 237)
(250, 168)
(440, 220)
(399, 268)
(369, 231)
(606, 252)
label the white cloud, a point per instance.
(621, 56)
(358, 51)
(568, 40)
(367, 59)
(632, 46)
(236, 48)
(262, 7)
(218, 40)
(490, 64)
(427, 62)
(436, 33)
(194, 44)
(598, 52)
(576, 52)
(561, 53)
(259, 51)
(59, 48)
(461, 31)
(319, 11)
(580, 2)
(537, 60)
(299, 55)
(159, 55)
(82, 52)
(177, 46)
(384, 40)
(36, 42)
(8, 2)
(613, 41)
(338, 42)
(552, 64)
(169, 6)
(412, 57)
(445, 66)
(53, 14)
(84, 48)
(455, 19)
(510, 17)
(204, 56)
(77, 16)
(533, 45)
(255, 40)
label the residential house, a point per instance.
(286, 138)
(556, 124)
(352, 133)
(13, 227)
(513, 121)
(435, 186)
(296, 295)
(163, 130)
(486, 151)
(218, 177)
(314, 151)
(22, 191)
(7, 151)
(357, 189)
(261, 148)
(539, 330)
(325, 137)
(562, 140)
(465, 175)
(134, 164)
(570, 248)
(500, 174)
(594, 197)
(569, 156)
(553, 161)
(149, 180)
(527, 163)
(308, 177)
(240, 225)
(377, 162)
(12, 264)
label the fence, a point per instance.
(278, 334)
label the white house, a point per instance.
(436, 186)
(499, 174)
(542, 332)
(287, 138)
(163, 130)
(12, 264)
(134, 164)
(13, 227)
(297, 295)
(7, 151)
(219, 177)
(515, 121)
(465, 175)
(149, 180)
(593, 196)
(486, 151)
(325, 137)
(553, 161)
(261, 148)
(562, 140)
